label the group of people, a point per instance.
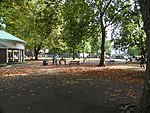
(55, 59)
(141, 59)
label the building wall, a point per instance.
(12, 44)
(3, 55)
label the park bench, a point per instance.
(64, 60)
(74, 62)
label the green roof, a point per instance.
(6, 36)
(2, 45)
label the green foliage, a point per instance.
(108, 47)
(107, 13)
(130, 33)
(32, 21)
(77, 17)
(73, 25)
(133, 51)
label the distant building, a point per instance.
(118, 51)
(11, 48)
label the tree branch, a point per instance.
(106, 6)
(114, 17)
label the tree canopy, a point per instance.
(73, 25)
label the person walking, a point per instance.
(142, 62)
(56, 58)
(53, 58)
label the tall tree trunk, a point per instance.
(73, 54)
(143, 51)
(142, 46)
(36, 52)
(144, 105)
(83, 49)
(102, 54)
(36, 55)
(89, 56)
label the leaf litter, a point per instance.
(129, 74)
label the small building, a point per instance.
(11, 48)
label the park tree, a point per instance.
(95, 43)
(44, 18)
(32, 20)
(130, 34)
(107, 13)
(76, 20)
(10, 12)
(55, 43)
(144, 106)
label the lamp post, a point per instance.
(2, 25)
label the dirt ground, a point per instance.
(34, 88)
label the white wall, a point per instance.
(12, 44)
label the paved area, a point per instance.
(56, 92)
